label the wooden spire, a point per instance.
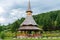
(29, 12)
(29, 6)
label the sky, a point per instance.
(12, 10)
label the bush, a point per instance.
(2, 35)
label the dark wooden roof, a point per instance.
(29, 28)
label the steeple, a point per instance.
(29, 12)
(29, 19)
(29, 25)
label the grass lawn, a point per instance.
(34, 39)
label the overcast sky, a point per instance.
(11, 10)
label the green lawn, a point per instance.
(35, 39)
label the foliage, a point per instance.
(2, 35)
(49, 21)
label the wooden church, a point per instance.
(29, 27)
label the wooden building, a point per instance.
(29, 27)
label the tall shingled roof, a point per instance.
(29, 20)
